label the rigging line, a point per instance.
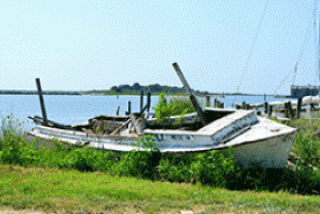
(253, 44)
(295, 67)
(304, 44)
(319, 51)
(315, 37)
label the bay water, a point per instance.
(69, 109)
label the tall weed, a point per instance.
(210, 168)
(143, 161)
(176, 106)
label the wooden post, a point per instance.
(118, 110)
(243, 105)
(215, 103)
(129, 108)
(265, 107)
(311, 107)
(141, 101)
(43, 110)
(207, 101)
(191, 95)
(291, 113)
(286, 110)
(299, 107)
(222, 105)
(270, 111)
(149, 101)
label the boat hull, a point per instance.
(272, 152)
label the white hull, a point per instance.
(253, 139)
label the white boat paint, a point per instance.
(253, 138)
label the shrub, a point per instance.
(176, 106)
(143, 161)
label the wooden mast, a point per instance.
(193, 98)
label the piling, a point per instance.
(118, 110)
(129, 108)
(141, 101)
(149, 101)
(244, 105)
(299, 107)
(290, 110)
(270, 111)
(286, 110)
(43, 109)
(207, 101)
(265, 107)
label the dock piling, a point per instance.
(43, 109)
(141, 101)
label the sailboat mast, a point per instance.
(318, 50)
(315, 29)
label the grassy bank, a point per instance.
(71, 191)
(65, 179)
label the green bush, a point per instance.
(143, 161)
(176, 106)
(211, 168)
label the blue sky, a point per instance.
(86, 45)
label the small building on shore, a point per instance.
(301, 91)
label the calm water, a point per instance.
(75, 109)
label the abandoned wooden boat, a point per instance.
(253, 138)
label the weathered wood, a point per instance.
(191, 95)
(148, 105)
(236, 134)
(299, 107)
(243, 106)
(270, 111)
(207, 101)
(148, 101)
(118, 111)
(286, 110)
(265, 107)
(121, 127)
(290, 110)
(141, 101)
(43, 109)
(311, 107)
(129, 108)
(38, 120)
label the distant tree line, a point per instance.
(136, 89)
(25, 92)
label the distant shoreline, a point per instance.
(78, 93)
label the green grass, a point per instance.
(64, 191)
(65, 179)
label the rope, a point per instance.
(252, 46)
(315, 39)
(304, 44)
